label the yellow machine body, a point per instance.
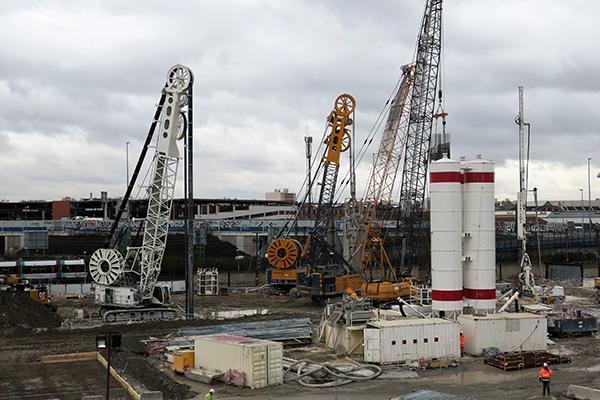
(387, 291)
(283, 274)
(183, 360)
(344, 282)
(40, 295)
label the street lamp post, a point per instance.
(25, 230)
(127, 171)
(589, 196)
(582, 210)
(107, 342)
(127, 161)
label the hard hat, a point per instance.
(545, 364)
(212, 390)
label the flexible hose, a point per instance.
(310, 374)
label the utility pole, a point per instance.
(127, 161)
(589, 196)
(127, 172)
(582, 218)
(308, 141)
(257, 242)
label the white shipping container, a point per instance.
(411, 339)
(506, 331)
(260, 360)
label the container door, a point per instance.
(259, 367)
(372, 346)
(275, 364)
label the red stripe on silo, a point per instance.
(447, 295)
(479, 177)
(446, 177)
(480, 294)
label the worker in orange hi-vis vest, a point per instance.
(544, 377)
(462, 343)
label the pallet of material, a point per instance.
(523, 360)
(202, 375)
(294, 331)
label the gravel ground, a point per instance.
(21, 345)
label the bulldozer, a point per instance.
(38, 293)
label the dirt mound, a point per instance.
(19, 310)
(141, 370)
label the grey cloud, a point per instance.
(91, 72)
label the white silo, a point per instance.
(479, 250)
(446, 230)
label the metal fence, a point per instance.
(74, 289)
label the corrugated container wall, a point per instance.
(260, 360)
(506, 331)
(479, 272)
(411, 339)
(445, 191)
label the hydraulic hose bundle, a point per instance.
(311, 374)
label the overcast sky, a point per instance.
(80, 79)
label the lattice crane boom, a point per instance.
(130, 281)
(284, 253)
(373, 255)
(422, 106)
(337, 142)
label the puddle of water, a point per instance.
(593, 368)
(475, 377)
(231, 314)
(399, 374)
(576, 299)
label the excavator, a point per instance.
(127, 286)
(317, 266)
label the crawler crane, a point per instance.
(318, 265)
(126, 285)
(381, 283)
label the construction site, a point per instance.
(424, 285)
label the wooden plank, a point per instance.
(130, 390)
(61, 358)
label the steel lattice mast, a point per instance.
(422, 106)
(130, 281)
(162, 186)
(526, 278)
(381, 184)
(338, 141)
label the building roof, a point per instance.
(408, 322)
(502, 316)
(233, 339)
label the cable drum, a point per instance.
(283, 253)
(106, 266)
(181, 125)
(179, 78)
(345, 104)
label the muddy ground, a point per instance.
(22, 346)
